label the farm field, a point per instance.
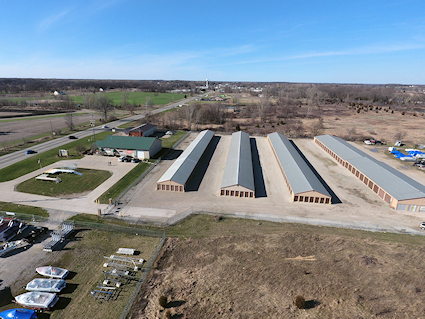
(138, 98)
(235, 268)
(83, 255)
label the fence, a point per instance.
(142, 279)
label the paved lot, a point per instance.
(357, 204)
(81, 204)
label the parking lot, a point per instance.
(353, 204)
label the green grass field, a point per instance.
(46, 158)
(23, 209)
(139, 98)
(123, 183)
(71, 183)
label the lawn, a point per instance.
(123, 183)
(46, 158)
(71, 183)
(23, 209)
(139, 98)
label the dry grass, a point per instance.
(259, 272)
(84, 257)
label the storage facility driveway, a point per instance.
(82, 204)
(359, 206)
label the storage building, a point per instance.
(177, 175)
(238, 177)
(138, 147)
(301, 180)
(398, 190)
(144, 130)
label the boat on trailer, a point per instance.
(53, 272)
(46, 285)
(12, 245)
(37, 300)
(18, 313)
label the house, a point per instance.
(137, 147)
(143, 130)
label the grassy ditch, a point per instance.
(46, 158)
(23, 209)
(123, 183)
(71, 183)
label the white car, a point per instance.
(422, 225)
(104, 126)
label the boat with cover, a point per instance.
(46, 285)
(37, 300)
(53, 272)
(12, 245)
(18, 313)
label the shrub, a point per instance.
(163, 301)
(80, 149)
(168, 314)
(300, 302)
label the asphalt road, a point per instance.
(12, 158)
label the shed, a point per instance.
(144, 130)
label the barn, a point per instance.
(177, 175)
(302, 181)
(238, 176)
(144, 130)
(398, 190)
(138, 147)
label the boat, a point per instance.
(18, 313)
(37, 300)
(46, 285)
(12, 245)
(10, 228)
(53, 272)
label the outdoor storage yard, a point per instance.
(232, 268)
(354, 204)
(83, 255)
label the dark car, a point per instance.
(30, 152)
(72, 137)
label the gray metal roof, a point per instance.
(298, 173)
(389, 179)
(142, 128)
(238, 169)
(184, 165)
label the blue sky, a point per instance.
(294, 41)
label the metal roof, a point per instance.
(127, 142)
(142, 128)
(184, 165)
(299, 175)
(389, 179)
(238, 169)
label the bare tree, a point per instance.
(263, 106)
(124, 97)
(69, 120)
(104, 104)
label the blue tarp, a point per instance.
(398, 154)
(18, 313)
(414, 153)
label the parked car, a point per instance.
(370, 141)
(72, 137)
(398, 143)
(135, 160)
(104, 126)
(422, 225)
(30, 152)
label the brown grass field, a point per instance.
(233, 268)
